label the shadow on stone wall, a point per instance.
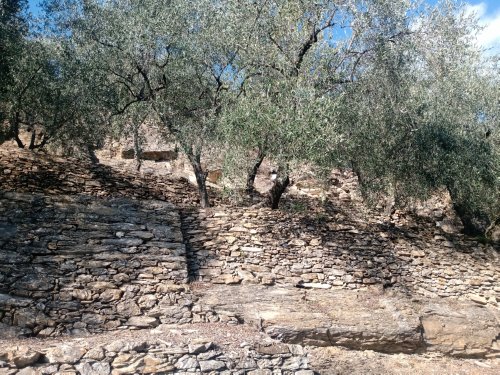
(334, 247)
(76, 264)
(80, 250)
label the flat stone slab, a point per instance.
(362, 320)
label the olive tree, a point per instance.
(424, 116)
(43, 97)
(300, 57)
(160, 60)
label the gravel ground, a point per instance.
(338, 361)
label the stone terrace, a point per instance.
(87, 249)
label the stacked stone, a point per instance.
(27, 171)
(77, 264)
(156, 357)
(258, 245)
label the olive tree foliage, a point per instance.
(162, 61)
(423, 116)
(205, 83)
(46, 91)
(123, 50)
(299, 60)
(43, 97)
(404, 97)
(12, 31)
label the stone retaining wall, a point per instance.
(267, 247)
(72, 264)
(157, 357)
(77, 263)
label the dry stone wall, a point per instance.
(157, 357)
(76, 264)
(274, 247)
(89, 248)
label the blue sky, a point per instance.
(487, 10)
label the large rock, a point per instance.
(142, 322)
(126, 346)
(463, 330)
(25, 357)
(28, 317)
(362, 320)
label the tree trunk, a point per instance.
(279, 187)
(252, 173)
(33, 139)
(137, 149)
(470, 220)
(91, 153)
(15, 131)
(492, 233)
(12, 131)
(201, 178)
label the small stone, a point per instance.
(65, 354)
(130, 369)
(227, 279)
(147, 301)
(260, 372)
(476, 282)
(111, 295)
(153, 365)
(212, 365)
(316, 286)
(247, 363)
(186, 362)
(417, 253)
(142, 234)
(82, 294)
(238, 229)
(272, 349)
(251, 249)
(96, 368)
(231, 239)
(142, 322)
(315, 242)
(96, 353)
(294, 363)
(126, 346)
(128, 309)
(297, 242)
(100, 286)
(267, 280)
(478, 299)
(199, 348)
